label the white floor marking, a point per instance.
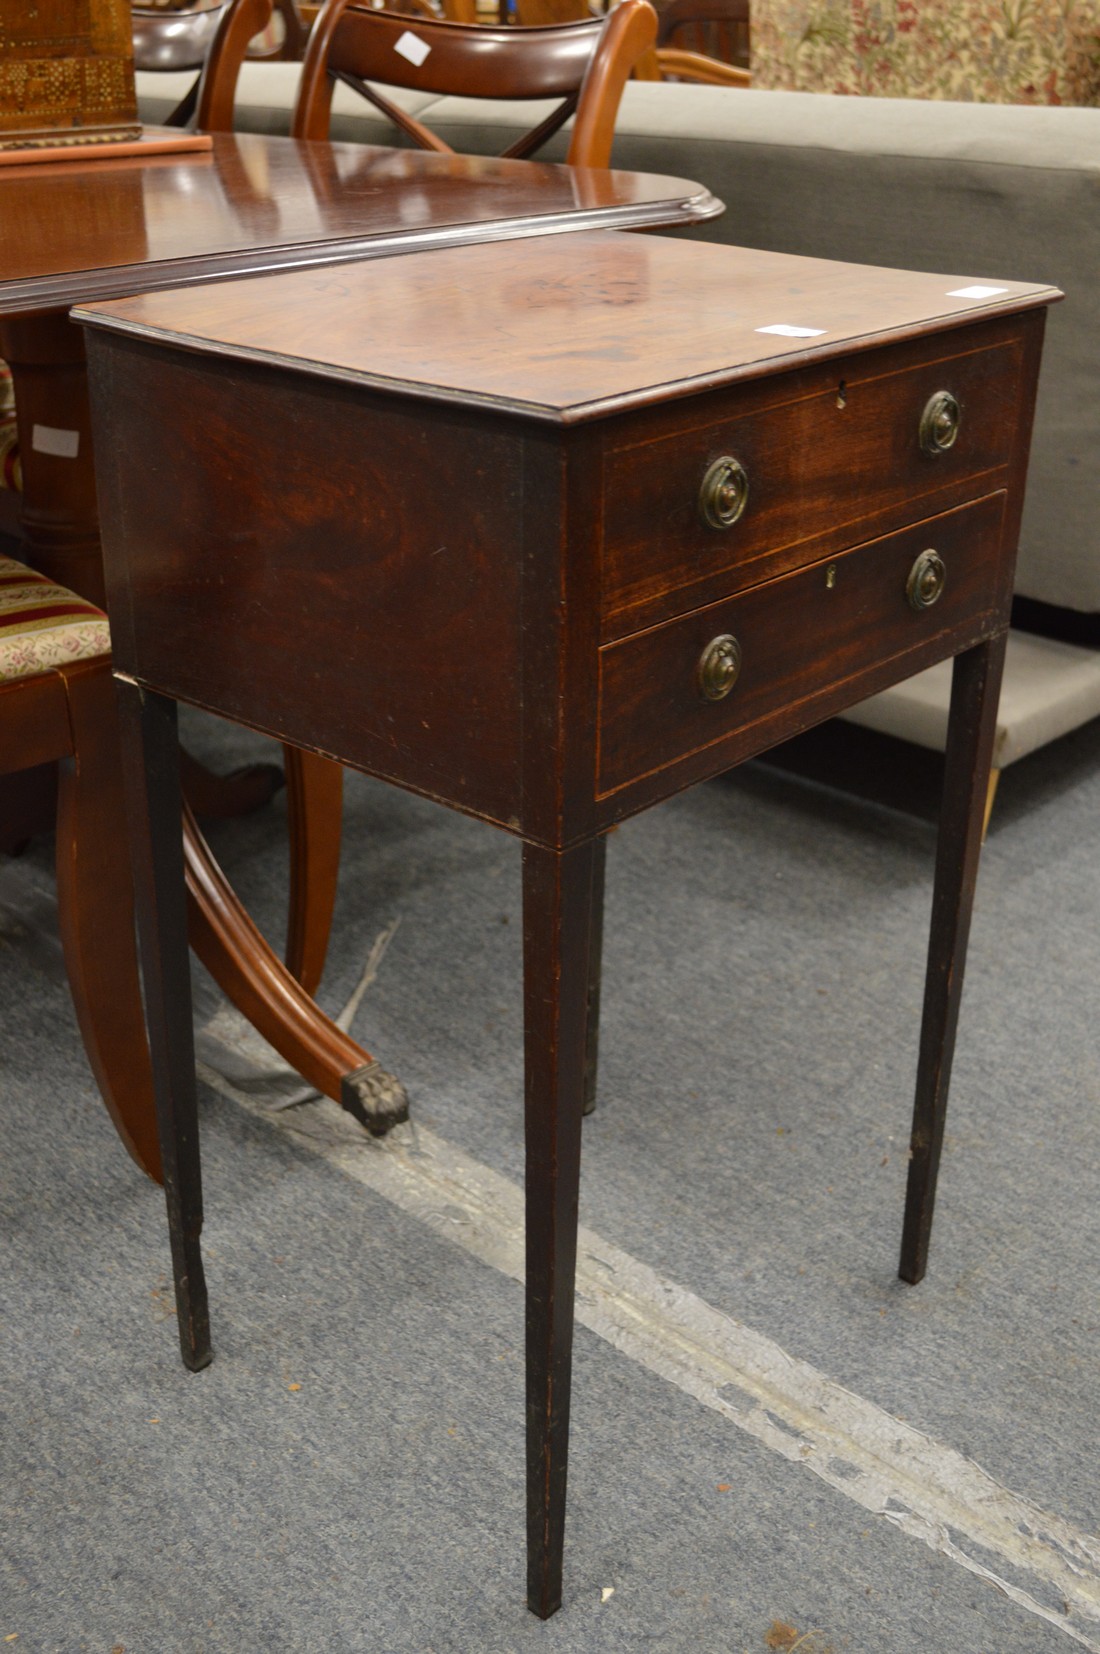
(921, 1486)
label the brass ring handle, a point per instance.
(724, 493)
(939, 423)
(719, 667)
(926, 581)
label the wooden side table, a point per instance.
(549, 531)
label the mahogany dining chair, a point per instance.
(57, 702)
(585, 64)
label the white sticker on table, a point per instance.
(976, 292)
(411, 46)
(47, 439)
(786, 331)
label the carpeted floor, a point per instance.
(775, 1444)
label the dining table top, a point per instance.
(78, 231)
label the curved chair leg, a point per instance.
(261, 987)
(96, 913)
(315, 794)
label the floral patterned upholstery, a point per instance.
(43, 625)
(969, 51)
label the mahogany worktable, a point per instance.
(77, 231)
(567, 527)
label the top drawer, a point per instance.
(826, 466)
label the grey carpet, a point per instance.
(764, 957)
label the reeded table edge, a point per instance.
(580, 412)
(35, 294)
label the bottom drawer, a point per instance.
(690, 684)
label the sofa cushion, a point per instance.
(43, 625)
(1049, 688)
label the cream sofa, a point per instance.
(973, 190)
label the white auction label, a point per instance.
(412, 47)
(47, 439)
(786, 331)
(976, 292)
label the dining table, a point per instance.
(82, 230)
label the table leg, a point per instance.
(150, 755)
(975, 691)
(251, 975)
(595, 973)
(557, 928)
(315, 794)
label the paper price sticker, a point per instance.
(47, 439)
(977, 291)
(412, 48)
(786, 331)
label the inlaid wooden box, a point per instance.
(66, 73)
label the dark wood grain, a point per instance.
(95, 911)
(66, 716)
(85, 230)
(150, 750)
(975, 689)
(803, 636)
(314, 792)
(429, 618)
(832, 463)
(569, 329)
(453, 581)
(557, 916)
(93, 229)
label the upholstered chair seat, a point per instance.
(43, 625)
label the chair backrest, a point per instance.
(585, 64)
(713, 28)
(214, 41)
(670, 63)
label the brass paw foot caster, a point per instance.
(375, 1098)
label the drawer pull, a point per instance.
(926, 581)
(724, 493)
(939, 423)
(719, 667)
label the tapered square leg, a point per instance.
(975, 691)
(595, 976)
(150, 750)
(557, 940)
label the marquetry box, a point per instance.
(66, 73)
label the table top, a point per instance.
(75, 232)
(566, 328)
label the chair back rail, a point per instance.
(711, 28)
(585, 64)
(215, 42)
